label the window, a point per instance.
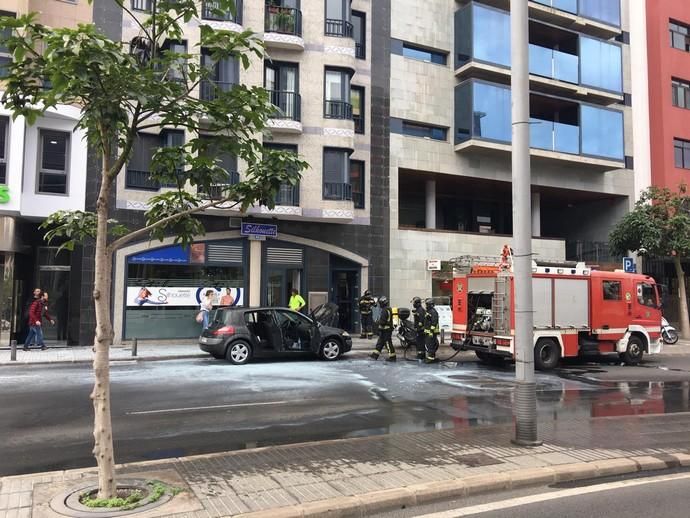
(223, 159)
(53, 160)
(4, 129)
(612, 290)
(282, 82)
(5, 56)
(357, 97)
(177, 69)
(338, 18)
(413, 129)
(421, 54)
(284, 17)
(141, 5)
(223, 75)
(211, 10)
(337, 94)
(601, 132)
(680, 35)
(681, 153)
(287, 194)
(138, 174)
(646, 295)
(359, 33)
(357, 182)
(336, 174)
(680, 93)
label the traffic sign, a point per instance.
(259, 230)
(629, 265)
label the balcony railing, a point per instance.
(142, 5)
(554, 64)
(358, 199)
(211, 10)
(337, 110)
(337, 191)
(359, 123)
(288, 104)
(564, 5)
(215, 191)
(554, 136)
(288, 195)
(283, 20)
(360, 51)
(209, 89)
(339, 28)
(591, 252)
(135, 179)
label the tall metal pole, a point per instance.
(525, 410)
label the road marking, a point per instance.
(534, 499)
(212, 407)
(19, 376)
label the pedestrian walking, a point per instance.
(431, 330)
(419, 315)
(37, 311)
(205, 309)
(366, 305)
(296, 301)
(385, 325)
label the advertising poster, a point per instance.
(164, 296)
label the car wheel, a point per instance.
(547, 354)
(330, 350)
(239, 352)
(634, 352)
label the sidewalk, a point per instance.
(359, 477)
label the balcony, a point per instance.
(337, 191)
(288, 195)
(360, 50)
(208, 90)
(215, 191)
(287, 117)
(561, 62)
(140, 180)
(337, 110)
(338, 28)
(283, 27)
(560, 129)
(603, 11)
(211, 10)
(142, 5)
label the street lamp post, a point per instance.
(525, 401)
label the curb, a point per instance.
(128, 359)
(409, 496)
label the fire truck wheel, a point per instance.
(547, 354)
(634, 352)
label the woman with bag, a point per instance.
(205, 309)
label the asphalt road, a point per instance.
(174, 408)
(663, 496)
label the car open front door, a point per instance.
(297, 330)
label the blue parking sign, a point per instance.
(629, 265)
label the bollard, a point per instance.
(443, 336)
(134, 347)
(13, 351)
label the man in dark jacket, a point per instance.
(35, 320)
(366, 304)
(385, 324)
(419, 317)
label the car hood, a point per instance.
(326, 315)
(328, 330)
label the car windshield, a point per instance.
(223, 317)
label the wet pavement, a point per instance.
(185, 407)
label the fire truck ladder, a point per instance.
(466, 264)
(499, 308)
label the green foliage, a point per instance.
(143, 85)
(660, 224)
(122, 504)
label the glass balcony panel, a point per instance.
(566, 138)
(553, 64)
(607, 11)
(602, 132)
(540, 61)
(491, 112)
(566, 67)
(541, 134)
(601, 64)
(496, 48)
(564, 5)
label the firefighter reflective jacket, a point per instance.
(431, 322)
(419, 318)
(366, 302)
(385, 321)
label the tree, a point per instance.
(125, 88)
(660, 226)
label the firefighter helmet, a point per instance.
(416, 302)
(367, 293)
(383, 301)
(429, 303)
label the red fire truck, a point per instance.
(577, 311)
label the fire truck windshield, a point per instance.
(646, 295)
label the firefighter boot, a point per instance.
(392, 359)
(374, 355)
(430, 359)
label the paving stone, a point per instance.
(268, 500)
(314, 492)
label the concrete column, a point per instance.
(430, 204)
(536, 214)
(255, 273)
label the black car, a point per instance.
(240, 334)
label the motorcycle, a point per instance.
(668, 333)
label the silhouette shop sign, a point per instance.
(259, 231)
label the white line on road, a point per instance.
(212, 407)
(534, 499)
(19, 376)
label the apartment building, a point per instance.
(42, 170)
(450, 132)
(330, 239)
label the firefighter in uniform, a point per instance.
(366, 303)
(385, 324)
(419, 317)
(431, 330)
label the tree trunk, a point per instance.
(103, 430)
(683, 300)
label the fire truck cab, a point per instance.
(577, 311)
